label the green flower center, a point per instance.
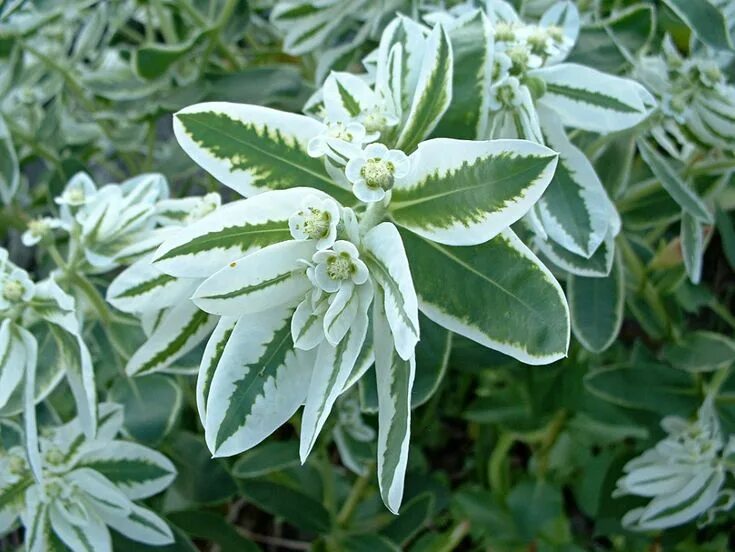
(340, 267)
(374, 121)
(378, 173)
(38, 227)
(316, 223)
(75, 196)
(13, 291)
(504, 33)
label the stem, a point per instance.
(353, 499)
(374, 215)
(98, 303)
(457, 535)
(497, 465)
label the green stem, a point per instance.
(94, 297)
(497, 469)
(459, 532)
(353, 499)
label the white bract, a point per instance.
(684, 475)
(354, 222)
(86, 487)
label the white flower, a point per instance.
(683, 474)
(316, 220)
(38, 228)
(336, 267)
(206, 204)
(339, 140)
(15, 287)
(374, 171)
(506, 94)
(78, 191)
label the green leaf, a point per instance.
(683, 194)
(472, 46)
(266, 458)
(152, 405)
(534, 504)
(152, 61)
(433, 91)
(726, 228)
(463, 192)
(692, 246)
(596, 308)
(432, 359)
(258, 385)
(297, 508)
(9, 168)
(700, 352)
(706, 21)
(415, 514)
(497, 294)
(368, 543)
(212, 527)
(253, 149)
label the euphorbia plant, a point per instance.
(356, 223)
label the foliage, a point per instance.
(487, 246)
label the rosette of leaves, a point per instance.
(86, 487)
(314, 286)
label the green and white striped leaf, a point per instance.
(92, 536)
(472, 59)
(307, 26)
(35, 520)
(575, 210)
(142, 287)
(210, 359)
(463, 192)
(230, 233)
(692, 246)
(100, 491)
(706, 21)
(591, 100)
(254, 149)
(346, 96)
(9, 168)
(12, 360)
(258, 385)
(182, 328)
(433, 92)
(497, 294)
(136, 470)
(267, 278)
(386, 258)
(596, 307)
(141, 525)
(30, 423)
(596, 266)
(332, 368)
(394, 377)
(679, 190)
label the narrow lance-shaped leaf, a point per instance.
(497, 294)
(258, 385)
(182, 328)
(706, 21)
(673, 184)
(29, 403)
(394, 377)
(463, 192)
(596, 307)
(270, 277)
(210, 359)
(12, 360)
(386, 258)
(433, 91)
(332, 367)
(591, 100)
(9, 170)
(254, 149)
(141, 525)
(692, 246)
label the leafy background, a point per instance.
(503, 456)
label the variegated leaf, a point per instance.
(596, 266)
(386, 258)
(136, 470)
(254, 149)
(679, 190)
(462, 192)
(269, 277)
(394, 377)
(182, 328)
(92, 536)
(575, 209)
(497, 294)
(306, 25)
(692, 246)
(332, 368)
(433, 92)
(210, 359)
(258, 385)
(12, 360)
(591, 100)
(230, 233)
(9, 168)
(141, 525)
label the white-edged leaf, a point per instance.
(591, 100)
(575, 209)
(394, 377)
(498, 294)
(12, 360)
(9, 168)
(104, 495)
(30, 423)
(275, 275)
(137, 471)
(679, 190)
(210, 359)
(36, 521)
(182, 328)
(463, 192)
(307, 26)
(141, 525)
(230, 233)
(596, 266)
(258, 385)
(433, 92)
(692, 246)
(253, 149)
(596, 307)
(332, 368)
(386, 258)
(92, 536)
